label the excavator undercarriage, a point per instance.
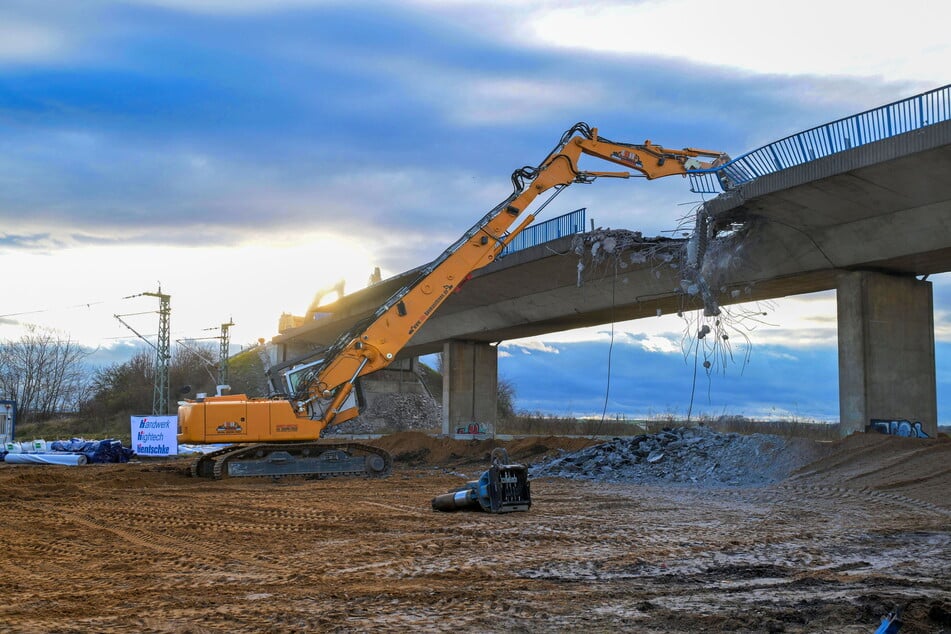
(311, 459)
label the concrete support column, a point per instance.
(886, 351)
(470, 385)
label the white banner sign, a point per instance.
(155, 435)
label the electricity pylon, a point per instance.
(224, 352)
(162, 349)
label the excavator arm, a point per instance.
(374, 344)
(286, 430)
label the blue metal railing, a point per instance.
(873, 125)
(569, 224)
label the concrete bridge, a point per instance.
(870, 222)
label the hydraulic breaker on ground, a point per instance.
(502, 489)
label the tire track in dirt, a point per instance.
(413, 511)
(926, 509)
(185, 555)
(754, 546)
(344, 557)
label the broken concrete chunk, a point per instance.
(695, 456)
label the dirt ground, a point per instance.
(863, 529)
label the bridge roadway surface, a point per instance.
(882, 207)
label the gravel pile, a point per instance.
(684, 456)
(393, 412)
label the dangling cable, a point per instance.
(607, 387)
(693, 385)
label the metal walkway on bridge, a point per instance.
(877, 124)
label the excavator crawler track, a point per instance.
(312, 459)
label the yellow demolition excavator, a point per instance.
(278, 436)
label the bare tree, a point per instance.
(127, 388)
(44, 372)
(124, 388)
(194, 365)
(506, 400)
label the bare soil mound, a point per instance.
(916, 467)
(417, 449)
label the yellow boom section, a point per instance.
(374, 345)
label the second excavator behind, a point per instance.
(279, 436)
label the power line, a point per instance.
(50, 310)
(224, 345)
(53, 309)
(102, 302)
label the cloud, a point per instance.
(655, 343)
(530, 346)
(27, 42)
(237, 7)
(41, 241)
(97, 188)
(638, 382)
(941, 288)
(117, 352)
(942, 327)
(46, 34)
(513, 100)
(839, 43)
(161, 133)
(780, 354)
(805, 321)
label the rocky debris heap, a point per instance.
(683, 456)
(393, 412)
(604, 243)
(599, 245)
(607, 250)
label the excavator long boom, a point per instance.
(286, 430)
(373, 345)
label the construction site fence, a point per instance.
(866, 127)
(566, 225)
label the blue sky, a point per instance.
(244, 154)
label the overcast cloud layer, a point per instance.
(156, 121)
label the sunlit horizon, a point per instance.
(79, 291)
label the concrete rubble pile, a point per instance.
(600, 247)
(393, 412)
(601, 244)
(702, 260)
(682, 456)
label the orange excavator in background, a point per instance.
(278, 436)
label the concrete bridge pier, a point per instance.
(470, 385)
(886, 350)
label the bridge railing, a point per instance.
(566, 225)
(866, 127)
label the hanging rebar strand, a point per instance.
(696, 251)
